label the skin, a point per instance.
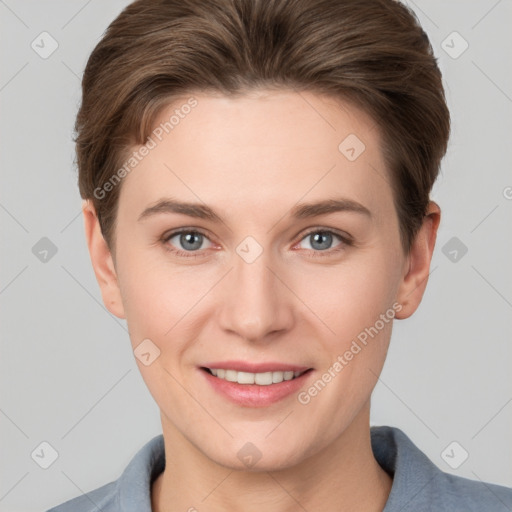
(252, 159)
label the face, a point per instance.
(253, 237)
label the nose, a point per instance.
(255, 301)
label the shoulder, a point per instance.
(131, 492)
(473, 495)
(420, 485)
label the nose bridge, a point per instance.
(255, 303)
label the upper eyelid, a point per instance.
(172, 234)
(340, 234)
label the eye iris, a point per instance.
(188, 238)
(320, 236)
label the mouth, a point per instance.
(256, 389)
(259, 379)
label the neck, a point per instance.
(342, 476)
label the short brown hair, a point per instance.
(372, 53)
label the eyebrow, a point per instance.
(299, 211)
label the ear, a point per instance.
(102, 261)
(417, 265)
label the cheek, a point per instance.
(349, 297)
(350, 300)
(144, 293)
(156, 300)
(156, 295)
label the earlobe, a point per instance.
(102, 261)
(417, 267)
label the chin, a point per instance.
(244, 455)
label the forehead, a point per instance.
(259, 150)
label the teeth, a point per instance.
(262, 379)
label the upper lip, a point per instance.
(243, 366)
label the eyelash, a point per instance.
(346, 242)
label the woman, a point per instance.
(256, 179)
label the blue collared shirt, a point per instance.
(418, 484)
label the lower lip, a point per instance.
(254, 395)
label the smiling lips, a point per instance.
(255, 384)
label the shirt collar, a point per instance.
(134, 485)
(411, 470)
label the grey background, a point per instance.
(68, 376)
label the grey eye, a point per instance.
(320, 240)
(188, 240)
